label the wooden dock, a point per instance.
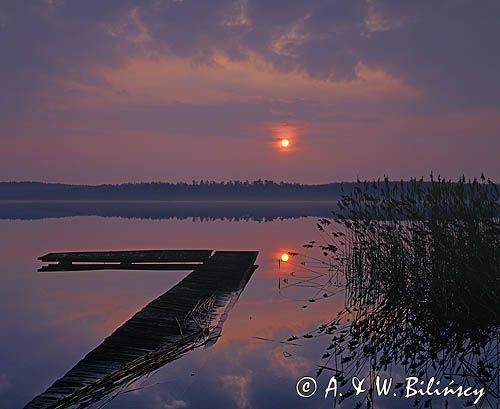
(189, 315)
(125, 260)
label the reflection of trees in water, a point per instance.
(196, 211)
(422, 276)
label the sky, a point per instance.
(174, 90)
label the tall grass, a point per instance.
(421, 263)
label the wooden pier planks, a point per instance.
(118, 266)
(125, 260)
(133, 256)
(162, 331)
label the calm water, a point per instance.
(50, 321)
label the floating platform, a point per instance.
(189, 315)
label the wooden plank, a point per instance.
(161, 332)
(118, 266)
(132, 256)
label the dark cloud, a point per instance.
(445, 48)
(448, 49)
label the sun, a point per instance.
(285, 143)
(284, 257)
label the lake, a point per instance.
(51, 320)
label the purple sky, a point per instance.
(112, 91)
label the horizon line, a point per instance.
(198, 181)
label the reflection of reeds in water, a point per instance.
(422, 272)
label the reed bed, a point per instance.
(420, 264)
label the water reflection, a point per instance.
(400, 315)
(49, 321)
(195, 211)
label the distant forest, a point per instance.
(263, 190)
(196, 190)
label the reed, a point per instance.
(421, 264)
